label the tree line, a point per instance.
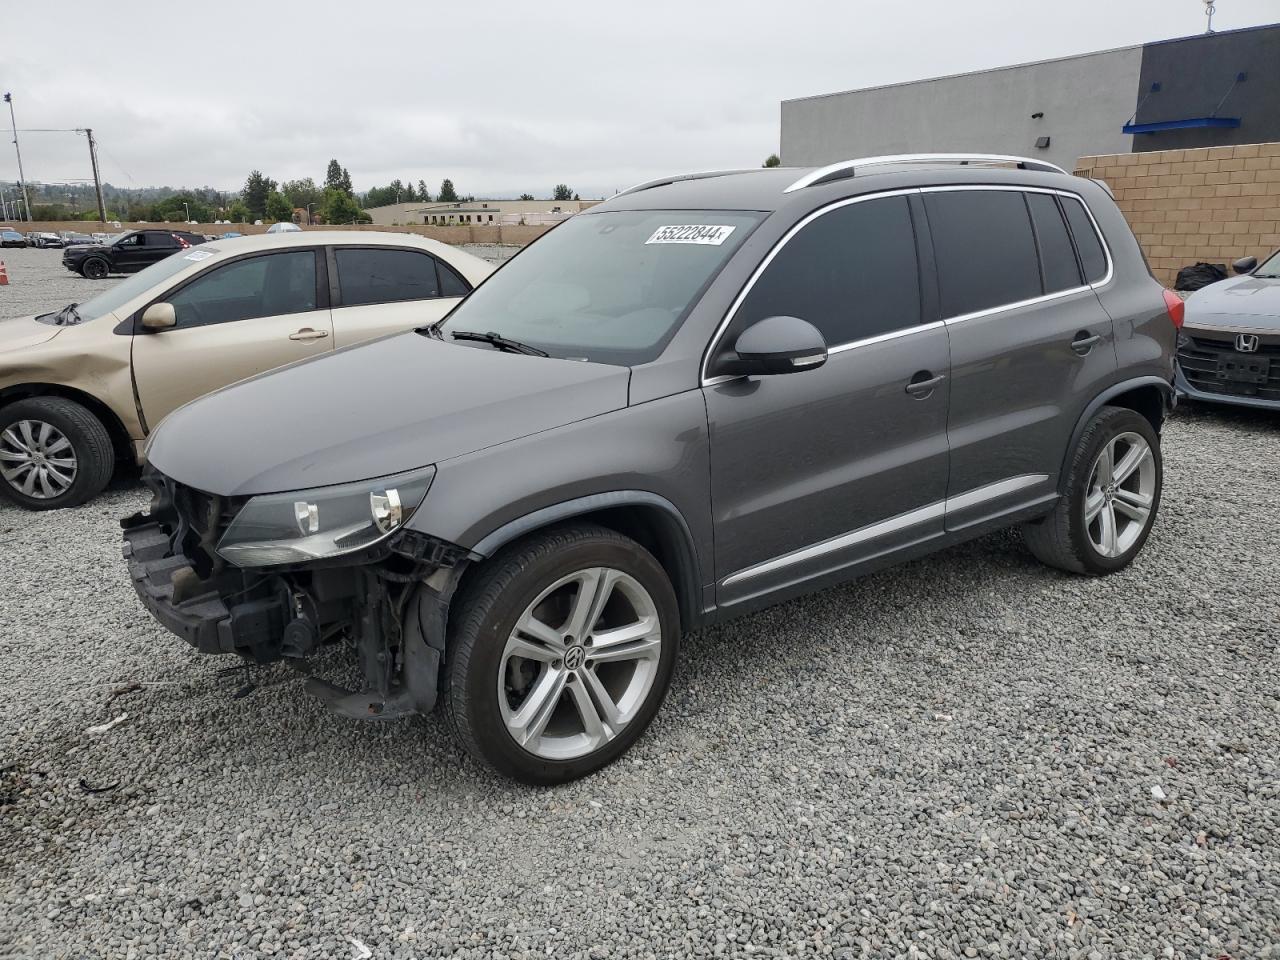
(261, 198)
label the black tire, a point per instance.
(484, 615)
(90, 442)
(95, 268)
(1062, 538)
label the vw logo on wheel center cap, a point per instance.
(574, 658)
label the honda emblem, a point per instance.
(1247, 342)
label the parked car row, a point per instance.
(38, 239)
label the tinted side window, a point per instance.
(1057, 256)
(159, 240)
(267, 286)
(851, 273)
(451, 285)
(1087, 243)
(385, 276)
(984, 248)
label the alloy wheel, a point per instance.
(1121, 492)
(580, 663)
(37, 459)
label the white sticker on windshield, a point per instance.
(199, 255)
(692, 233)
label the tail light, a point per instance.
(184, 245)
(1176, 306)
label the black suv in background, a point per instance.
(705, 395)
(128, 253)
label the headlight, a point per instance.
(324, 522)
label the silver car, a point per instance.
(1229, 347)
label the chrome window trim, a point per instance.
(1106, 250)
(959, 318)
(903, 521)
(764, 264)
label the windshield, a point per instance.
(608, 287)
(1270, 268)
(137, 284)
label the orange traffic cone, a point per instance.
(4, 275)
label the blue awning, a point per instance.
(1162, 125)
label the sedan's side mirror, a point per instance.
(159, 316)
(779, 345)
(1245, 265)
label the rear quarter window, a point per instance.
(1092, 257)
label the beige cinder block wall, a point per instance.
(1213, 203)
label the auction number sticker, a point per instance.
(692, 233)
(199, 255)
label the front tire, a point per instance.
(561, 650)
(1112, 496)
(95, 268)
(54, 453)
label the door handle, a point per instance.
(309, 333)
(922, 388)
(1084, 342)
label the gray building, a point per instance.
(1208, 90)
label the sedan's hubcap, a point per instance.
(580, 663)
(36, 459)
(1121, 493)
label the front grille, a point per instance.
(1201, 356)
(194, 520)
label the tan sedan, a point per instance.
(81, 387)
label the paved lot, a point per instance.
(970, 756)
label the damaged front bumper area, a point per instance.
(388, 602)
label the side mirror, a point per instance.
(1245, 265)
(159, 316)
(778, 345)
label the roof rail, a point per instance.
(846, 168)
(665, 181)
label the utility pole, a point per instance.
(97, 180)
(22, 180)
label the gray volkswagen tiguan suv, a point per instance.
(708, 394)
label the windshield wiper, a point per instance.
(499, 342)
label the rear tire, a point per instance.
(1112, 496)
(95, 268)
(54, 453)
(561, 649)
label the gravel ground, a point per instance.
(968, 756)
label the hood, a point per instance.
(374, 409)
(1238, 302)
(25, 332)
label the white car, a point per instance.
(284, 226)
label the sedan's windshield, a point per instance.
(609, 287)
(139, 283)
(1270, 268)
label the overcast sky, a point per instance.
(501, 96)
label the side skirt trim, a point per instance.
(903, 521)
